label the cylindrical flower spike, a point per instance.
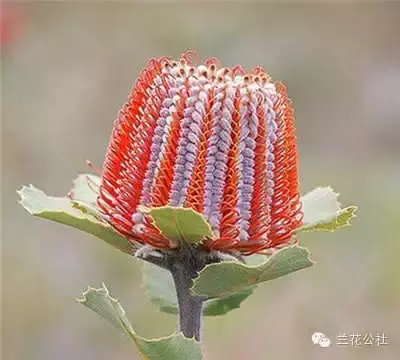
(218, 140)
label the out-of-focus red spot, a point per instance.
(10, 23)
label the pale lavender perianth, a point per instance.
(187, 147)
(197, 115)
(160, 135)
(214, 171)
(242, 136)
(248, 133)
(222, 118)
(270, 96)
(272, 135)
(137, 218)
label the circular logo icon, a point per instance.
(319, 338)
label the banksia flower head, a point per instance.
(218, 140)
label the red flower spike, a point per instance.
(218, 140)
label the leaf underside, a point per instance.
(161, 290)
(223, 279)
(173, 347)
(323, 212)
(64, 211)
(86, 189)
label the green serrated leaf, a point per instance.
(341, 219)
(85, 189)
(225, 304)
(173, 347)
(161, 289)
(101, 302)
(180, 224)
(323, 212)
(255, 259)
(62, 210)
(223, 279)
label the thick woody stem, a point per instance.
(184, 267)
(184, 263)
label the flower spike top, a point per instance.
(215, 139)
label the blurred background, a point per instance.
(68, 67)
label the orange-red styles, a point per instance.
(215, 139)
